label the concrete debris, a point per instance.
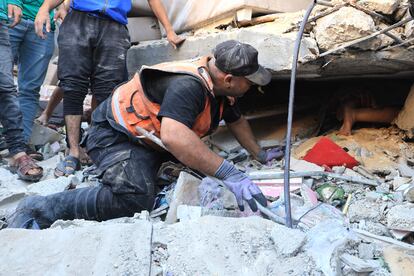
(288, 242)
(401, 217)
(345, 25)
(358, 264)
(366, 210)
(405, 118)
(122, 249)
(366, 251)
(381, 6)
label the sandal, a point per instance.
(34, 154)
(67, 166)
(23, 165)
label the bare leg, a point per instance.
(73, 131)
(54, 100)
(367, 115)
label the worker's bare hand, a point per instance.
(14, 12)
(60, 14)
(174, 39)
(42, 19)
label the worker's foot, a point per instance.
(348, 121)
(67, 166)
(43, 119)
(24, 166)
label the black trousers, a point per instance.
(93, 54)
(127, 170)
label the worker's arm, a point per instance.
(187, 147)
(159, 10)
(244, 134)
(43, 16)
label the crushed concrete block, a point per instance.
(381, 6)
(42, 135)
(143, 29)
(185, 212)
(263, 37)
(111, 249)
(401, 217)
(185, 192)
(304, 166)
(360, 265)
(374, 228)
(366, 210)
(345, 25)
(366, 251)
(288, 242)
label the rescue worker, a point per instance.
(179, 102)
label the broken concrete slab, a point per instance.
(185, 193)
(366, 210)
(401, 217)
(225, 246)
(42, 135)
(262, 37)
(366, 251)
(143, 29)
(117, 249)
(360, 265)
(345, 25)
(381, 6)
(288, 242)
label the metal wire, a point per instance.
(286, 191)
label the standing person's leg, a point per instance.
(74, 70)
(10, 115)
(34, 56)
(109, 64)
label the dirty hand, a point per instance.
(265, 156)
(174, 39)
(60, 14)
(42, 19)
(15, 13)
(241, 186)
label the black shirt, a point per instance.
(183, 97)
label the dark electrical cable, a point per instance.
(286, 191)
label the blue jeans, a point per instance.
(10, 114)
(32, 55)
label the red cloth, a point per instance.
(326, 152)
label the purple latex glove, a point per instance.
(241, 186)
(265, 156)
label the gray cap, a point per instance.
(240, 59)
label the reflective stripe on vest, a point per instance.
(131, 107)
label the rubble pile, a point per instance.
(352, 197)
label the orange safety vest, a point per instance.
(131, 107)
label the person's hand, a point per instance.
(60, 14)
(241, 186)
(265, 156)
(14, 12)
(42, 19)
(174, 39)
